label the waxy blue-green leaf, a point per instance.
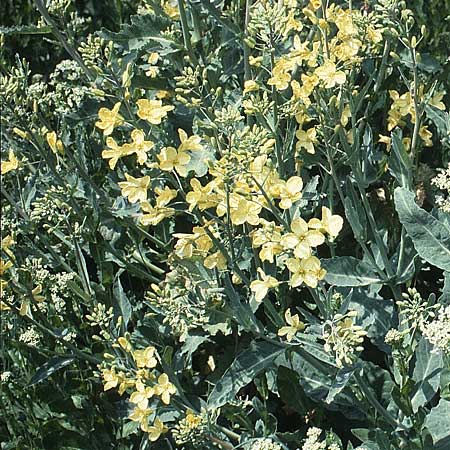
(349, 271)
(438, 422)
(247, 365)
(430, 237)
(427, 372)
(51, 366)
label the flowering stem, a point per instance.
(247, 73)
(376, 404)
(62, 39)
(75, 352)
(185, 30)
(415, 153)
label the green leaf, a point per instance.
(438, 422)
(123, 303)
(247, 365)
(50, 367)
(355, 212)
(144, 31)
(430, 237)
(25, 29)
(291, 391)
(349, 271)
(426, 374)
(400, 164)
(342, 378)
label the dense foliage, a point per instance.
(225, 224)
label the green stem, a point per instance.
(376, 404)
(62, 39)
(75, 352)
(186, 35)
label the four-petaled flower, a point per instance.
(109, 119)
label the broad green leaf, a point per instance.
(291, 391)
(247, 365)
(438, 422)
(430, 237)
(50, 367)
(342, 378)
(426, 374)
(25, 29)
(123, 304)
(400, 164)
(142, 32)
(349, 271)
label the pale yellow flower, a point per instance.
(155, 431)
(11, 164)
(135, 189)
(261, 287)
(146, 357)
(301, 239)
(152, 110)
(109, 119)
(330, 223)
(306, 140)
(330, 75)
(293, 327)
(54, 143)
(164, 196)
(306, 271)
(165, 388)
(154, 215)
(170, 159)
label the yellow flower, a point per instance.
(113, 152)
(154, 214)
(165, 388)
(385, 140)
(294, 326)
(140, 414)
(135, 188)
(290, 192)
(280, 75)
(306, 140)
(109, 119)
(54, 143)
(329, 75)
(110, 378)
(330, 223)
(201, 196)
(171, 159)
(139, 146)
(7, 242)
(301, 239)
(152, 110)
(216, 259)
(36, 294)
(164, 196)
(4, 266)
(141, 395)
(155, 431)
(191, 143)
(125, 344)
(261, 287)
(241, 210)
(145, 358)
(268, 238)
(436, 101)
(250, 86)
(11, 164)
(426, 135)
(306, 271)
(374, 34)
